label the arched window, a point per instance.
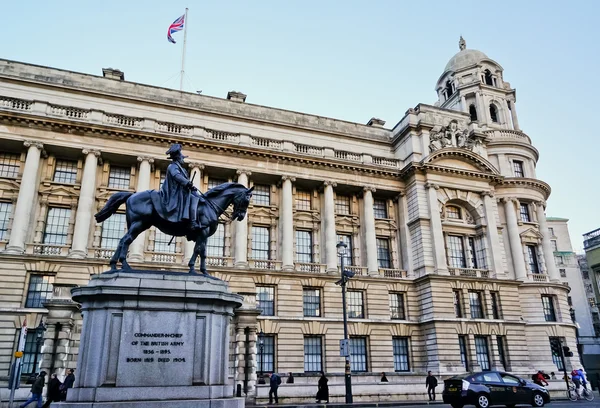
(473, 113)
(487, 76)
(449, 90)
(453, 212)
(494, 114)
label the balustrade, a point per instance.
(538, 277)
(310, 267)
(104, 253)
(507, 134)
(393, 273)
(224, 136)
(68, 111)
(268, 143)
(14, 103)
(218, 261)
(469, 272)
(168, 127)
(382, 161)
(312, 150)
(121, 120)
(264, 264)
(44, 249)
(343, 155)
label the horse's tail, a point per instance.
(112, 205)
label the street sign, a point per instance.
(344, 348)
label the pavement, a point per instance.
(408, 404)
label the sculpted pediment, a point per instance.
(345, 221)
(306, 216)
(531, 235)
(261, 211)
(463, 159)
(59, 191)
(9, 184)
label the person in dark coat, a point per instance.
(383, 378)
(431, 382)
(290, 379)
(274, 382)
(323, 392)
(53, 391)
(36, 391)
(69, 381)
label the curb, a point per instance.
(353, 405)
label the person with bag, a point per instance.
(431, 382)
(54, 391)
(274, 382)
(36, 391)
(323, 391)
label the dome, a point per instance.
(465, 58)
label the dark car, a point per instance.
(492, 388)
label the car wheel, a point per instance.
(538, 400)
(457, 405)
(483, 401)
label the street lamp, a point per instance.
(346, 275)
(261, 348)
(39, 338)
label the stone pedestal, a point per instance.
(154, 339)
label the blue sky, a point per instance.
(349, 60)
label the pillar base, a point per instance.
(135, 258)
(374, 273)
(241, 265)
(77, 254)
(287, 268)
(14, 250)
(331, 271)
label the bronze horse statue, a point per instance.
(141, 215)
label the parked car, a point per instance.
(492, 388)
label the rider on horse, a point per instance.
(177, 200)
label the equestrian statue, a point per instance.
(177, 209)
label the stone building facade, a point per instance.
(443, 215)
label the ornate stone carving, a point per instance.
(243, 171)
(330, 183)
(290, 178)
(429, 185)
(452, 136)
(462, 44)
(370, 188)
(92, 151)
(35, 143)
(487, 193)
(145, 158)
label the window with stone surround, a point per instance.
(5, 213)
(563, 273)
(502, 350)
(548, 307)
(473, 113)
(65, 171)
(401, 354)
(487, 77)
(493, 113)
(457, 298)
(355, 304)
(380, 209)
(313, 354)
(554, 245)
(524, 212)
(261, 195)
(39, 290)
(265, 300)
(482, 351)
(518, 168)
(29, 354)
(342, 205)
(311, 302)
(551, 231)
(532, 257)
(397, 310)
(556, 358)
(261, 242)
(304, 246)
(213, 182)
(496, 308)
(347, 239)
(57, 226)
(384, 259)
(453, 212)
(456, 251)
(215, 244)
(113, 229)
(9, 165)
(463, 347)
(303, 202)
(267, 355)
(358, 354)
(119, 177)
(161, 242)
(476, 304)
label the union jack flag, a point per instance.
(176, 26)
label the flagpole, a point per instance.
(185, 24)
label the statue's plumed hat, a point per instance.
(175, 151)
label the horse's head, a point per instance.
(240, 204)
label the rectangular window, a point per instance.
(119, 177)
(57, 226)
(260, 243)
(464, 359)
(495, 298)
(355, 304)
(548, 306)
(265, 358)
(215, 244)
(112, 231)
(397, 306)
(560, 260)
(480, 257)
(456, 251)
(358, 354)
(313, 359)
(518, 168)
(551, 231)
(303, 200)
(524, 211)
(401, 359)
(383, 253)
(161, 243)
(556, 358)
(380, 208)
(265, 300)
(65, 171)
(9, 165)
(457, 303)
(453, 212)
(304, 246)
(261, 195)
(163, 175)
(501, 343)
(476, 305)
(554, 245)
(39, 290)
(213, 182)
(342, 205)
(5, 213)
(29, 354)
(347, 239)
(481, 349)
(311, 301)
(534, 267)
(563, 272)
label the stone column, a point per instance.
(463, 104)
(493, 240)
(481, 113)
(329, 225)
(85, 205)
(136, 250)
(196, 177)
(405, 243)
(516, 248)
(370, 236)
(287, 223)
(240, 254)
(513, 113)
(437, 236)
(546, 244)
(27, 195)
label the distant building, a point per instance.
(591, 274)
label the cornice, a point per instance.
(538, 185)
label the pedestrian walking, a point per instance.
(36, 391)
(69, 381)
(275, 382)
(54, 392)
(323, 391)
(430, 383)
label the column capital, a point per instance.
(429, 185)
(243, 171)
(541, 204)
(28, 143)
(330, 183)
(487, 193)
(195, 165)
(290, 178)
(507, 200)
(400, 195)
(145, 158)
(369, 188)
(95, 152)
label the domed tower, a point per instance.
(473, 83)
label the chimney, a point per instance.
(236, 96)
(375, 122)
(113, 74)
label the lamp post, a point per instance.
(261, 348)
(39, 338)
(346, 275)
